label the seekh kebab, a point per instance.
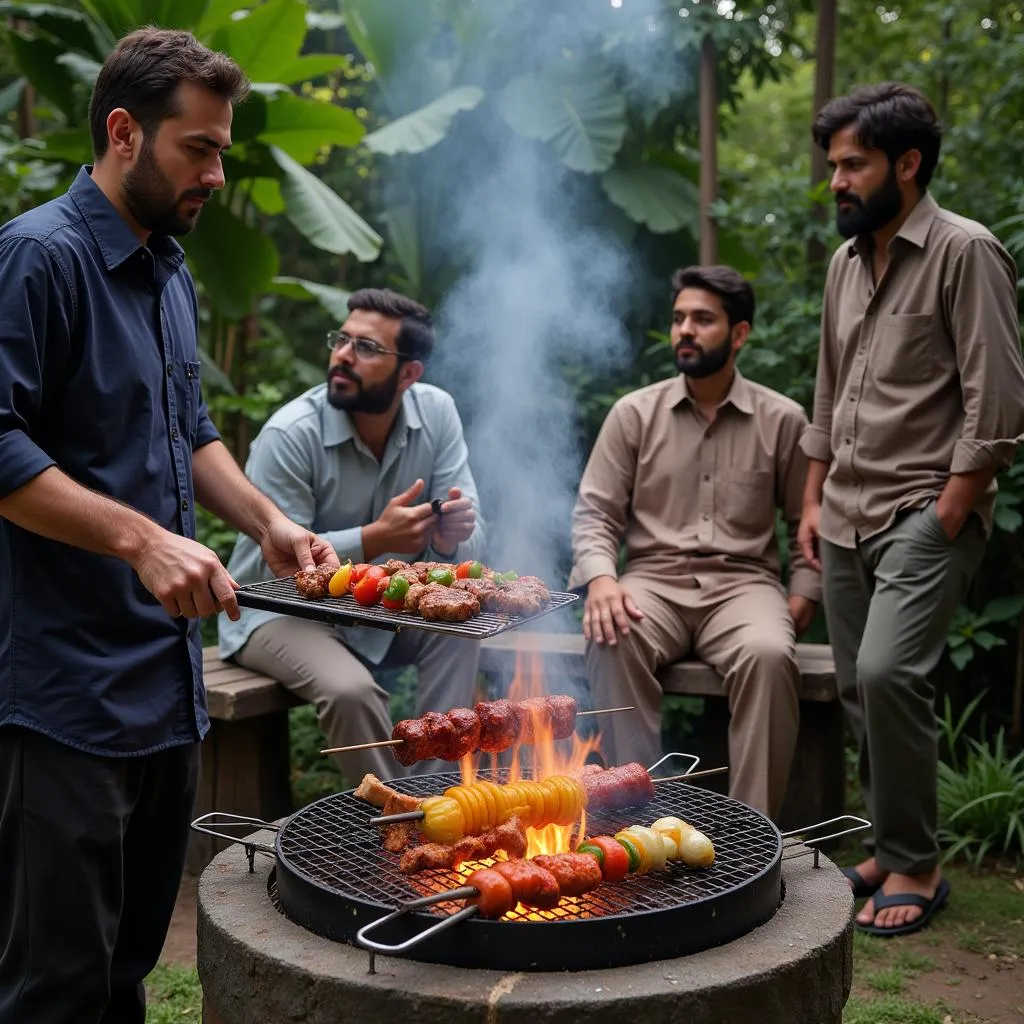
(491, 726)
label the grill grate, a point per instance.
(330, 844)
(281, 596)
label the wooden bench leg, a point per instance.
(816, 790)
(244, 770)
(817, 781)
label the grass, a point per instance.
(891, 1010)
(173, 995)
(983, 918)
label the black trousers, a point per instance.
(91, 854)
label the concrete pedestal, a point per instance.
(257, 967)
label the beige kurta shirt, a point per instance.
(695, 502)
(919, 377)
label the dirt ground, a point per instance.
(978, 989)
(180, 946)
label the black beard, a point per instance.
(704, 362)
(150, 197)
(374, 400)
(870, 214)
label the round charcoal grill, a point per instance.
(334, 877)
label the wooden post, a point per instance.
(708, 151)
(824, 79)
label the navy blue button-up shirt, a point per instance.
(99, 376)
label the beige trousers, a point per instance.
(739, 625)
(310, 660)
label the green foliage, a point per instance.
(278, 133)
(578, 90)
(980, 793)
(173, 994)
(312, 774)
(968, 632)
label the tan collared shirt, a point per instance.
(919, 377)
(693, 499)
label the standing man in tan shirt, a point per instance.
(918, 401)
(688, 473)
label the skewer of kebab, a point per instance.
(541, 882)
(556, 800)
(491, 726)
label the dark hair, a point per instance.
(142, 74)
(892, 117)
(416, 334)
(729, 285)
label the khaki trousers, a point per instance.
(888, 604)
(310, 660)
(739, 625)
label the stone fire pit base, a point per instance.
(257, 967)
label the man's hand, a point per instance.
(608, 607)
(288, 547)
(455, 524)
(951, 515)
(184, 576)
(808, 535)
(402, 527)
(802, 609)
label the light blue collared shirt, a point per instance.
(310, 461)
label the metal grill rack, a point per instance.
(334, 876)
(281, 596)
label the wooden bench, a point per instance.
(245, 756)
(245, 762)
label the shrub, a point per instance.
(981, 794)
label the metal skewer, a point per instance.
(395, 743)
(392, 819)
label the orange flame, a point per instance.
(545, 757)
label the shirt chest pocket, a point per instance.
(748, 501)
(192, 400)
(904, 348)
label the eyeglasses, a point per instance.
(364, 348)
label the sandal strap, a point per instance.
(882, 901)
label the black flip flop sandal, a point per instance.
(861, 889)
(908, 899)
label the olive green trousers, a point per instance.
(888, 604)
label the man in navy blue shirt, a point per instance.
(105, 446)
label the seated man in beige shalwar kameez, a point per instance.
(688, 472)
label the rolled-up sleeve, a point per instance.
(817, 439)
(206, 432)
(452, 469)
(981, 309)
(36, 311)
(599, 518)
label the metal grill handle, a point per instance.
(675, 753)
(203, 822)
(799, 835)
(463, 892)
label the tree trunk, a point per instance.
(824, 83)
(708, 151)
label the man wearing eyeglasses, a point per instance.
(358, 460)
